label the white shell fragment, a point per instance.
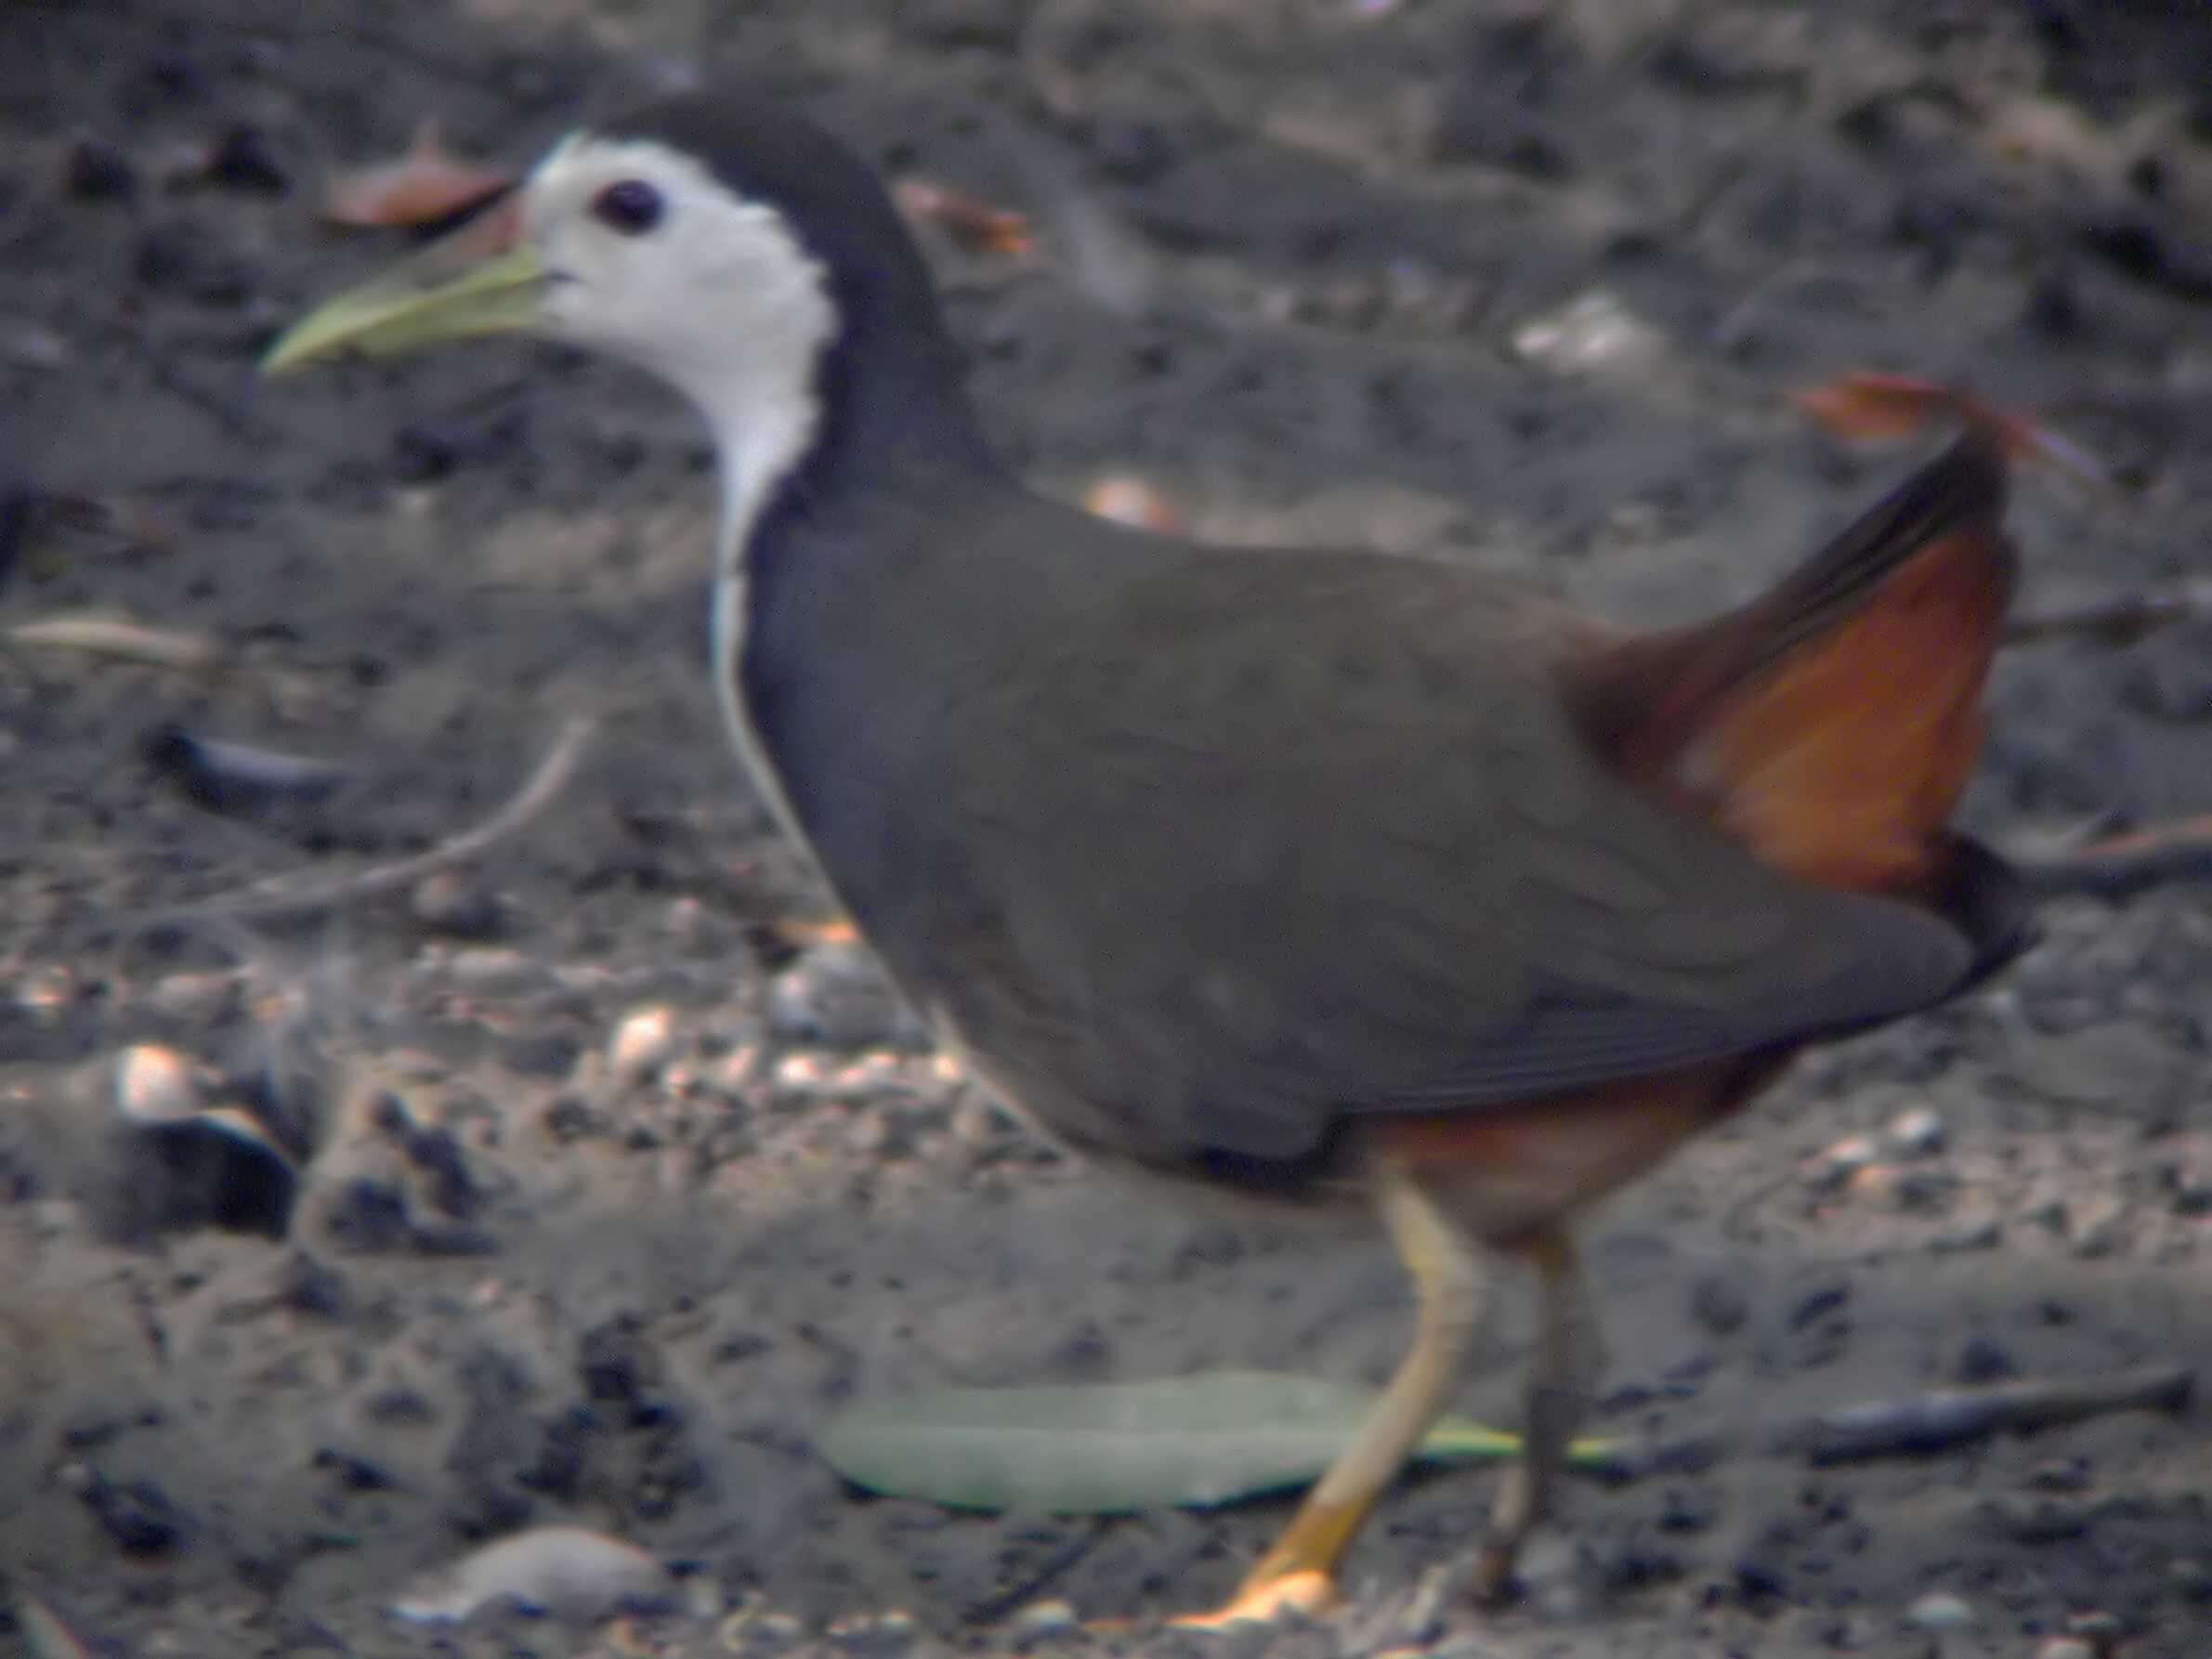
(563, 1572)
(641, 1043)
(1593, 331)
(155, 1084)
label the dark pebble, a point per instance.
(180, 1177)
(369, 1216)
(137, 1515)
(1818, 1304)
(2169, 676)
(1474, 127)
(243, 159)
(2143, 252)
(355, 1473)
(97, 171)
(180, 259)
(2041, 1518)
(454, 1241)
(1760, 1581)
(618, 1365)
(563, 1453)
(1719, 1302)
(2060, 1474)
(1983, 1359)
(2053, 311)
(307, 1286)
(1686, 1510)
(458, 906)
(426, 450)
(552, 1055)
(985, 25)
(570, 1118)
(238, 778)
(400, 1408)
(1691, 1455)
(1132, 151)
(437, 1153)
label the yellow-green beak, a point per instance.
(452, 290)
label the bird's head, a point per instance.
(725, 246)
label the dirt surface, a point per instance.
(533, 1274)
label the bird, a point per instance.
(1326, 878)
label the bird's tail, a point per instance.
(1830, 725)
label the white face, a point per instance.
(654, 260)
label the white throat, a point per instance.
(752, 467)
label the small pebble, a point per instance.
(2051, 1214)
(833, 996)
(564, 1571)
(1718, 1301)
(97, 171)
(1127, 499)
(1818, 1304)
(641, 1043)
(1938, 1610)
(2192, 1193)
(2060, 1474)
(2100, 1629)
(1918, 1133)
(704, 1599)
(1981, 1233)
(245, 158)
(137, 1515)
(1042, 1618)
(2036, 1520)
(2101, 1230)
(486, 968)
(155, 1084)
(1592, 331)
(1983, 1359)
(1880, 1184)
(456, 905)
(1826, 1171)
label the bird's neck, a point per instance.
(809, 477)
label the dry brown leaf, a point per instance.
(1871, 403)
(969, 219)
(422, 187)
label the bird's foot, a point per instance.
(1302, 1593)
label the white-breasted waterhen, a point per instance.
(1324, 877)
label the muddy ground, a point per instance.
(524, 1283)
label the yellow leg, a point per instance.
(1562, 1375)
(1299, 1574)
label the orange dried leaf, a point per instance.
(1869, 403)
(975, 221)
(422, 187)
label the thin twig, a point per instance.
(2116, 622)
(119, 637)
(1942, 1419)
(278, 896)
(2121, 865)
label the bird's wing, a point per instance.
(1316, 834)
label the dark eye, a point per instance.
(629, 205)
